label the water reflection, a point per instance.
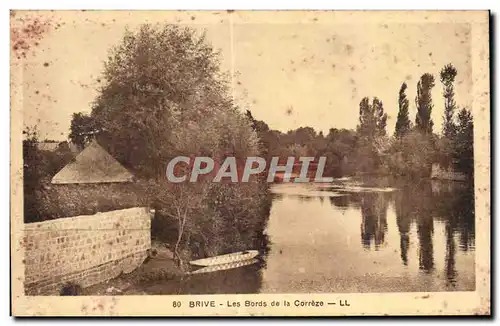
(420, 237)
(374, 219)
(421, 205)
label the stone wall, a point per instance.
(85, 250)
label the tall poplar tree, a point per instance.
(403, 123)
(448, 74)
(423, 102)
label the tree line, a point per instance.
(410, 151)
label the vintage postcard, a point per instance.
(250, 163)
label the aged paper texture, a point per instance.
(250, 163)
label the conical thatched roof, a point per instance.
(93, 165)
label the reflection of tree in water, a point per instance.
(466, 218)
(450, 203)
(455, 205)
(374, 219)
(425, 231)
(451, 272)
(373, 207)
(340, 201)
(403, 220)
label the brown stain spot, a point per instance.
(289, 111)
(349, 49)
(430, 54)
(37, 92)
(45, 64)
(193, 17)
(27, 32)
(230, 11)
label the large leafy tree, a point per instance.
(403, 123)
(423, 102)
(82, 129)
(163, 94)
(372, 119)
(371, 133)
(448, 74)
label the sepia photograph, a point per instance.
(249, 163)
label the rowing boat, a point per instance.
(222, 267)
(224, 259)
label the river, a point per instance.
(357, 236)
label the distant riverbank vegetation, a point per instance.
(409, 151)
(162, 94)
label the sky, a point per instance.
(291, 69)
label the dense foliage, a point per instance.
(411, 150)
(163, 95)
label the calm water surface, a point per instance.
(354, 236)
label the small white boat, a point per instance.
(224, 259)
(222, 267)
